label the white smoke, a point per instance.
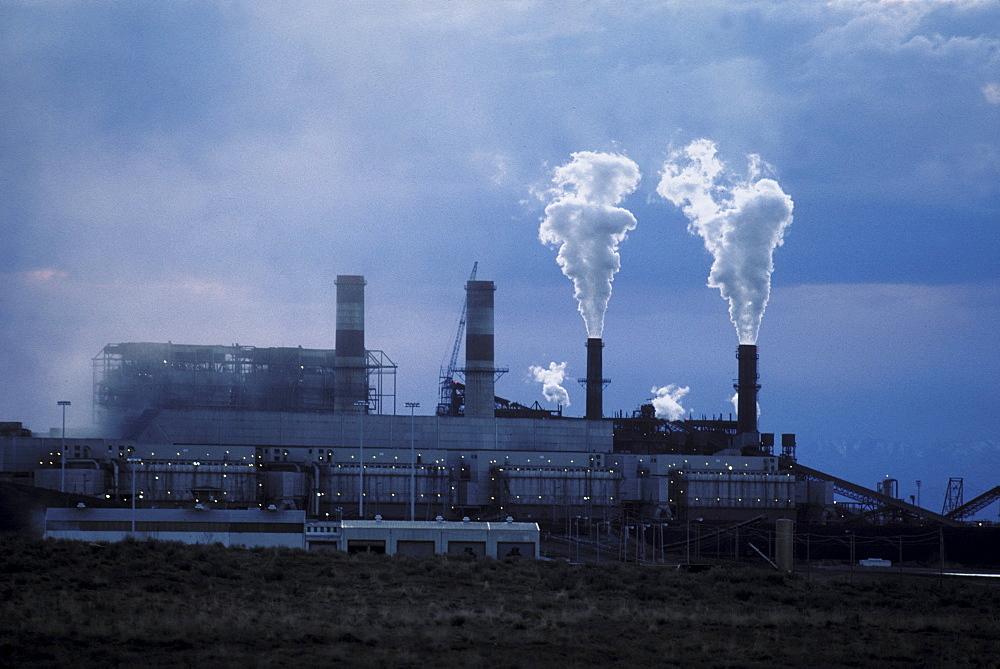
(587, 226)
(741, 221)
(735, 399)
(668, 401)
(551, 380)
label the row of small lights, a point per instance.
(329, 453)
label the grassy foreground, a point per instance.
(158, 604)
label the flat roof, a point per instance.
(437, 524)
(184, 514)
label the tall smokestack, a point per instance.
(351, 381)
(595, 378)
(479, 368)
(747, 387)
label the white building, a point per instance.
(246, 528)
(478, 539)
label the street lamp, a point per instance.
(132, 463)
(697, 520)
(413, 463)
(645, 527)
(62, 483)
(576, 536)
(361, 469)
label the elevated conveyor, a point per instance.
(867, 496)
(975, 505)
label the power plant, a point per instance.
(239, 427)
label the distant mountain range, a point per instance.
(866, 463)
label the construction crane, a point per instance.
(452, 393)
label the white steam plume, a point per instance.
(741, 221)
(668, 401)
(735, 399)
(551, 380)
(587, 226)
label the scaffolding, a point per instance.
(130, 378)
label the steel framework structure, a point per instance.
(133, 377)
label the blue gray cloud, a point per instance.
(201, 171)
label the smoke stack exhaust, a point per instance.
(747, 387)
(351, 381)
(595, 378)
(479, 368)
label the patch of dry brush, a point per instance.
(161, 604)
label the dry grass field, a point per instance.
(65, 604)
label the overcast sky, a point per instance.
(200, 172)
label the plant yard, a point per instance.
(172, 605)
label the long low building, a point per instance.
(528, 482)
(246, 528)
(289, 529)
(440, 537)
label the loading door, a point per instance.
(474, 548)
(524, 549)
(366, 546)
(415, 547)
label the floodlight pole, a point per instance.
(62, 480)
(363, 406)
(688, 542)
(413, 463)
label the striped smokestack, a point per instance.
(351, 381)
(479, 367)
(595, 378)
(747, 387)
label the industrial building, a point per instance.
(271, 528)
(318, 431)
(247, 528)
(498, 540)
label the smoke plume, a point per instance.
(735, 401)
(587, 226)
(741, 221)
(668, 401)
(551, 380)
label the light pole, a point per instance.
(688, 542)
(645, 527)
(576, 536)
(413, 463)
(62, 481)
(132, 463)
(363, 406)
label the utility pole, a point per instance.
(413, 462)
(132, 467)
(363, 406)
(62, 483)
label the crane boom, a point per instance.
(448, 398)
